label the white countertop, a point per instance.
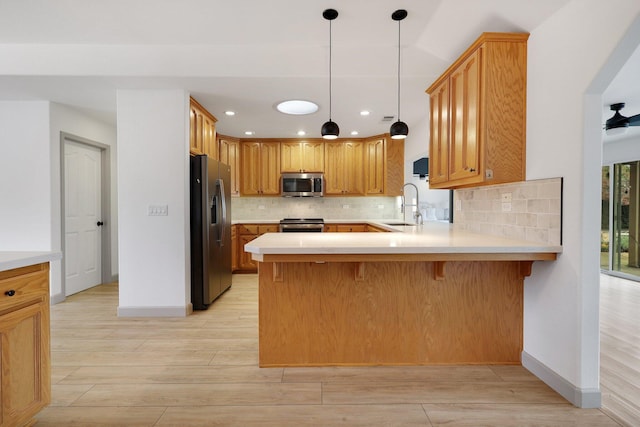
(430, 238)
(11, 260)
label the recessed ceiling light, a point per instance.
(230, 113)
(364, 113)
(249, 132)
(354, 132)
(301, 133)
(297, 107)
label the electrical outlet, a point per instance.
(506, 206)
(506, 197)
(158, 210)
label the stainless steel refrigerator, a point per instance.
(210, 230)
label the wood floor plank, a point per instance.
(439, 392)
(65, 395)
(539, 415)
(200, 394)
(99, 417)
(97, 358)
(378, 374)
(294, 416)
(171, 375)
(235, 357)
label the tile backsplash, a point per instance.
(357, 208)
(529, 210)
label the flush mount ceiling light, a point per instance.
(618, 124)
(399, 130)
(330, 129)
(230, 113)
(297, 107)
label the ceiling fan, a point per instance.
(618, 124)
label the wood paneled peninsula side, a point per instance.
(425, 295)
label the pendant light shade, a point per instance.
(399, 130)
(330, 129)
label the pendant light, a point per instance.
(330, 129)
(399, 130)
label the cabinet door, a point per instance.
(312, 156)
(245, 262)
(353, 163)
(439, 142)
(196, 130)
(209, 143)
(270, 168)
(25, 360)
(465, 110)
(291, 156)
(234, 248)
(250, 161)
(374, 166)
(334, 168)
(230, 155)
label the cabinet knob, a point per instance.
(10, 293)
(472, 170)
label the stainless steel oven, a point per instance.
(305, 225)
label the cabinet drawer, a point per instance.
(22, 284)
(247, 229)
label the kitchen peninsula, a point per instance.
(422, 295)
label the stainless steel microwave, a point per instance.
(302, 184)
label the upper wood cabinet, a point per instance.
(260, 163)
(302, 156)
(202, 136)
(383, 166)
(478, 115)
(343, 168)
(229, 149)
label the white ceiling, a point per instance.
(247, 55)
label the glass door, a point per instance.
(620, 251)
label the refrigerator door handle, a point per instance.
(221, 194)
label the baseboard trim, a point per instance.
(155, 311)
(57, 298)
(582, 398)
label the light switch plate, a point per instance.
(158, 210)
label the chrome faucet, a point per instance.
(417, 216)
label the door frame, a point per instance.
(105, 199)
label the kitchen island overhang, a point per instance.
(432, 295)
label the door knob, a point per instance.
(100, 223)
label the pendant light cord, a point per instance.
(398, 71)
(330, 70)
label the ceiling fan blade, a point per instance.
(634, 120)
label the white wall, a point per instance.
(621, 151)
(153, 169)
(25, 176)
(561, 332)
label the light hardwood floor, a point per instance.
(202, 370)
(620, 349)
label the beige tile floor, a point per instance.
(202, 371)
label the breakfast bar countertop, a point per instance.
(429, 238)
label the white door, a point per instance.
(82, 196)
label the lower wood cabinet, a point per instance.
(245, 234)
(25, 375)
(351, 228)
